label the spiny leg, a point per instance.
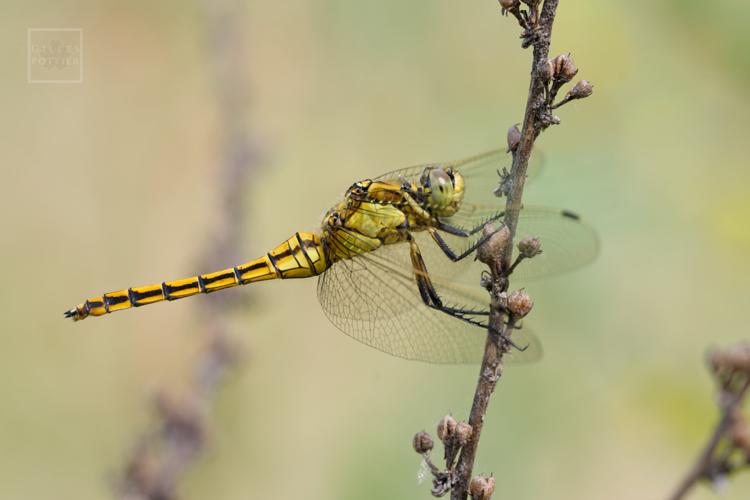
(429, 294)
(465, 233)
(449, 252)
(432, 299)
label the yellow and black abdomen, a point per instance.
(301, 256)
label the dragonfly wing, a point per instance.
(374, 299)
(568, 243)
(368, 303)
(479, 170)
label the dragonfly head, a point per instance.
(444, 188)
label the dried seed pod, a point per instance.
(520, 303)
(715, 360)
(739, 431)
(481, 487)
(514, 137)
(490, 487)
(581, 90)
(463, 433)
(494, 246)
(530, 247)
(564, 68)
(446, 428)
(422, 442)
(738, 357)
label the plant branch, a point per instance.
(495, 348)
(548, 76)
(731, 435)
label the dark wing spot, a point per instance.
(570, 215)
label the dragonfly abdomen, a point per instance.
(301, 256)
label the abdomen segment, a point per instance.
(301, 256)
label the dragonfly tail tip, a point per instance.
(76, 314)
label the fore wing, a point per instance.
(479, 170)
(568, 243)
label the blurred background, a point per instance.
(114, 182)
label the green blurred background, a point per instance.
(112, 183)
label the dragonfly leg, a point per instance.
(510, 342)
(418, 210)
(430, 296)
(465, 233)
(449, 252)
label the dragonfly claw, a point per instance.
(522, 349)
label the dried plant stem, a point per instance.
(711, 460)
(491, 368)
(162, 455)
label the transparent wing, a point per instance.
(568, 243)
(480, 170)
(374, 299)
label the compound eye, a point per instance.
(441, 186)
(440, 180)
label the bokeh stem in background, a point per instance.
(728, 448)
(162, 455)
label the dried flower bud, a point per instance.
(739, 431)
(463, 433)
(514, 137)
(509, 4)
(520, 303)
(715, 360)
(580, 90)
(422, 442)
(564, 68)
(735, 358)
(494, 246)
(481, 487)
(738, 357)
(530, 247)
(490, 487)
(477, 485)
(446, 428)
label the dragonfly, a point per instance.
(395, 261)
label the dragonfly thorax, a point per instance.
(443, 190)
